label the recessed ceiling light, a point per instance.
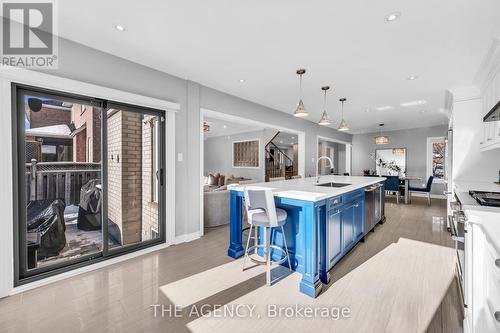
(224, 126)
(119, 27)
(412, 77)
(293, 137)
(393, 16)
(242, 80)
(414, 103)
(384, 108)
(281, 141)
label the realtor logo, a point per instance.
(28, 34)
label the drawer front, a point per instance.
(335, 201)
(353, 196)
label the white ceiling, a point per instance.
(345, 44)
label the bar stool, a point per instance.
(262, 213)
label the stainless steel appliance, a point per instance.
(458, 231)
(374, 206)
(491, 199)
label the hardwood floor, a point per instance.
(119, 298)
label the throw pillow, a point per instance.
(211, 180)
(222, 180)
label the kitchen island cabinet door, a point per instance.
(334, 236)
(348, 227)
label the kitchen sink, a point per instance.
(331, 184)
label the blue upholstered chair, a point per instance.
(426, 189)
(392, 185)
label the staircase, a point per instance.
(278, 164)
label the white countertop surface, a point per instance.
(466, 186)
(306, 189)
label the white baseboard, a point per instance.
(433, 196)
(187, 237)
(85, 269)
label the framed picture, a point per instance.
(390, 161)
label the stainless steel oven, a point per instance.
(458, 230)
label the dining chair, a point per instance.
(426, 189)
(392, 185)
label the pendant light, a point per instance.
(324, 118)
(206, 127)
(381, 139)
(343, 125)
(301, 110)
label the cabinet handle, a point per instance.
(447, 192)
(497, 316)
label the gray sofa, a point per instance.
(216, 205)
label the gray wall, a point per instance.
(218, 153)
(414, 140)
(85, 64)
(221, 102)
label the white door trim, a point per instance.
(348, 151)
(301, 136)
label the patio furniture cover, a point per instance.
(89, 211)
(45, 224)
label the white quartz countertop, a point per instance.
(467, 185)
(306, 189)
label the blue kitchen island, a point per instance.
(325, 221)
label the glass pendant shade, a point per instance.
(301, 110)
(343, 126)
(381, 140)
(324, 119)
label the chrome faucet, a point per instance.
(317, 166)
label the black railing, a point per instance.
(278, 164)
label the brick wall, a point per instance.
(48, 116)
(80, 147)
(149, 208)
(125, 174)
(88, 116)
(114, 181)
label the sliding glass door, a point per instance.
(89, 176)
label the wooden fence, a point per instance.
(59, 180)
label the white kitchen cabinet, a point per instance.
(482, 289)
(490, 96)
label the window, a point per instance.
(246, 154)
(436, 149)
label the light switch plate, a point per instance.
(180, 157)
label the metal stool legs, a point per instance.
(267, 247)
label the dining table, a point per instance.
(407, 180)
